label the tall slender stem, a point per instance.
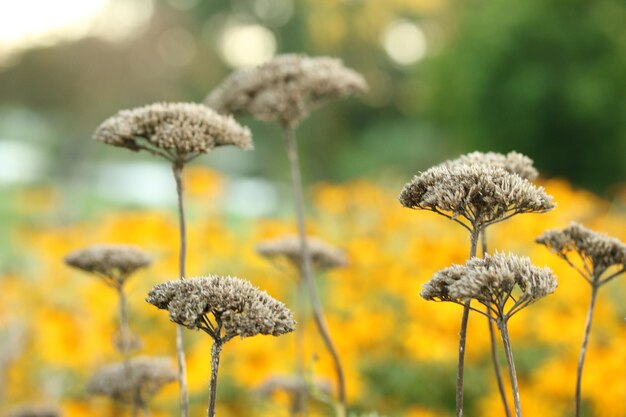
(492, 340)
(463, 335)
(177, 169)
(216, 349)
(300, 406)
(124, 328)
(509, 358)
(307, 270)
(583, 349)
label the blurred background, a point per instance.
(542, 77)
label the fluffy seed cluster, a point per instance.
(242, 309)
(175, 131)
(288, 247)
(114, 263)
(34, 411)
(286, 89)
(481, 194)
(138, 380)
(599, 250)
(513, 162)
(491, 281)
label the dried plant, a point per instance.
(474, 196)
(513, 162)
(286, 90)
(603, 259)
(223, 307)
(323, 256)
(296, 387)
(114, 265)
(504, 284)
(178, 132)
(135, 382)
(34, 411)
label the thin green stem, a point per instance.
(583, 348)
(307, 270)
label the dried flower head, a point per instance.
(597, 251)
(178, 132)
(293, 385)
(288, 247)
(34, 411)
(137, 380)
(504, 283)
(513, 162)
(113, 263)
(224, 307)
(474, 196)
(286, 89)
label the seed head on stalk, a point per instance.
(288, 247)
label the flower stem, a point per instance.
(216, 349)
(177, 169)
(509, 358)
(300, 406)
(306, 268)
(583, 349)
(124, 328)
(494, 346)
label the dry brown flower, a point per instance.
(286, 89)
(113, 263)
(137, 380)
(474, 196)
(323, 255)
(513, 162)
(34, 411)
(598, 251)
(505, 284)
(236, 306)
(178, 132)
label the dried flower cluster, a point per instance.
(286, 89)
(292, 385)
(513, 162)
(323, 255)
(242, 309)
(598, 251)
(34, 411)
(136, 380)
(176, 131)
(492, 281)
(113, 263)
(481, 194)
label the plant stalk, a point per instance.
(216, 349)
(306, 267)
(300, 406)
(583, 349)
(509, 358)
(177, 169)
(124, 327)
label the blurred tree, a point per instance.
(544, 77)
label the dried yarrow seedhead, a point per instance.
(113, 263)
(513, 162)
(293, 385)
(286, 89)
(137, 380)
(178, 132)
(597, 250)
(224, 307)
(34, 411)
(475, 196)
(504, 283)
(323, 255)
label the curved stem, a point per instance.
(583, 349)
(306, 268)
(512, 373)
(216, 349)
(177, 169)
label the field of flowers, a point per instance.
(399, 351)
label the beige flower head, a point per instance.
(114, 264)
(474, 196)
(34, 411)
(138, 380)
(597, 251)
(223, 307)
(286, 89)
(177, 132)
(288, 247)
(513, 162)
(504, 283)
